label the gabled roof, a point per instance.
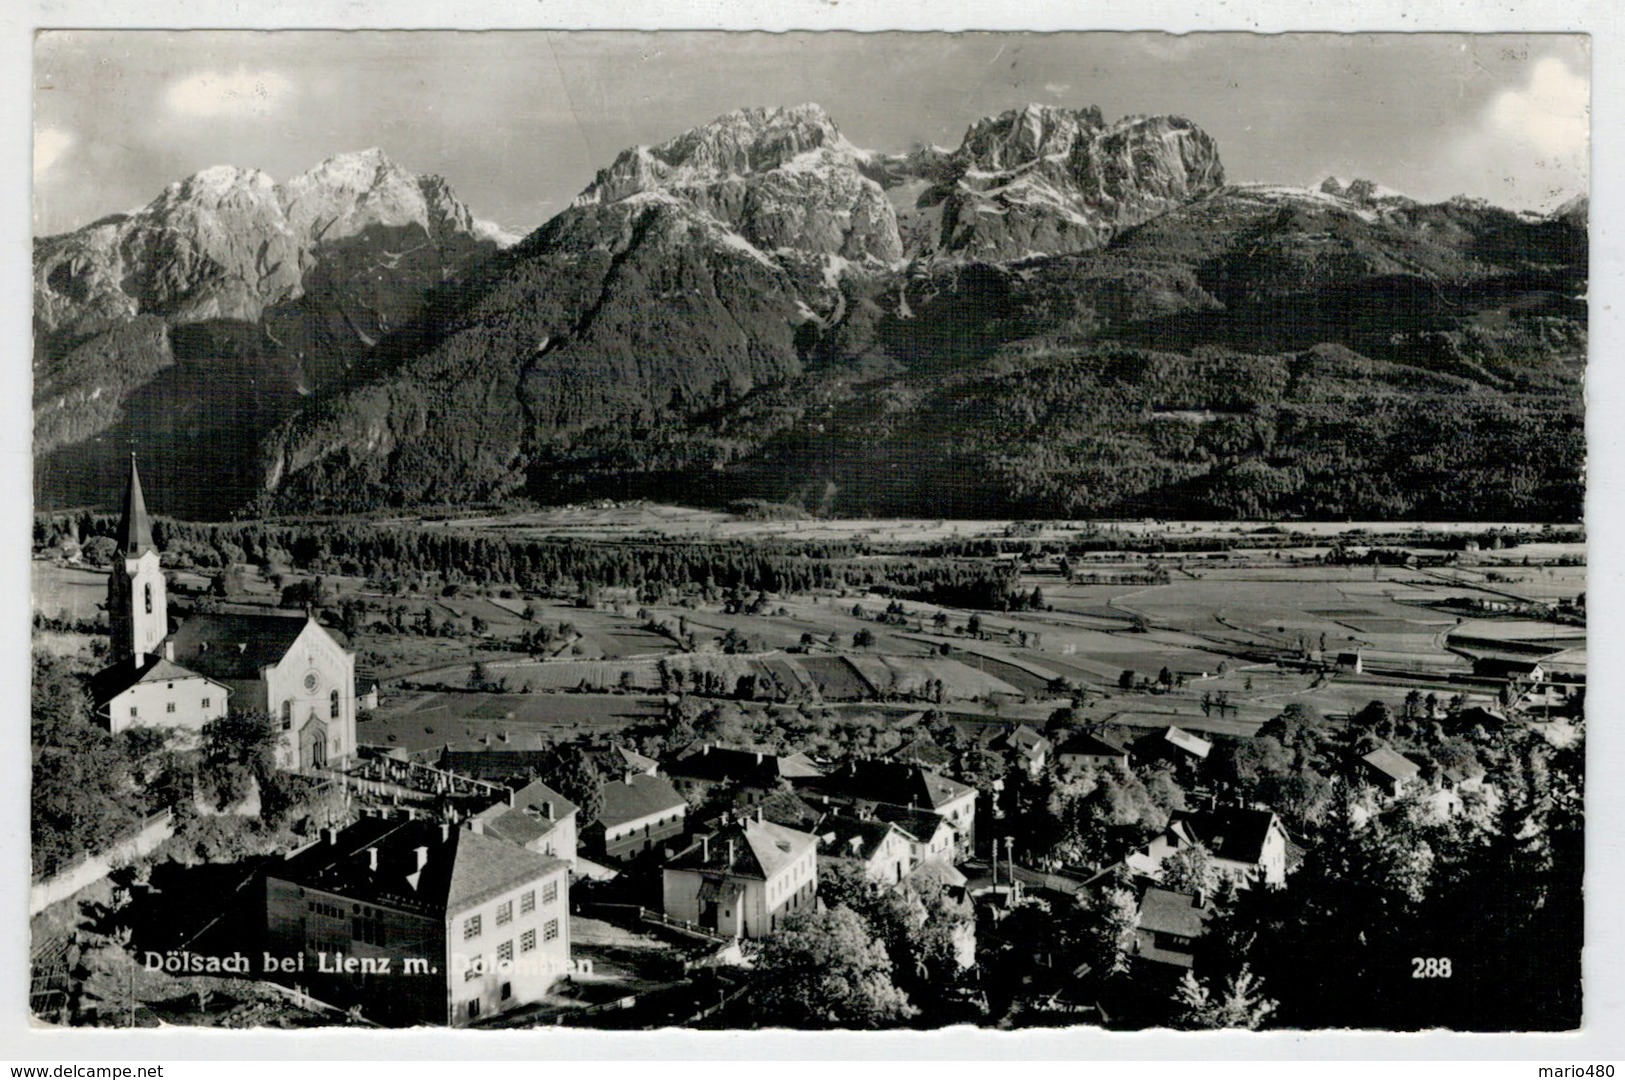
(923, 750)
(1021, 738)
(922, 824)
(496, 764)
(855, 838)
(1392, 764)
(708, 761)
(1232, 833)
(759, 850)
(1191, 744)
(1165, 912)
(635, 761)
(113, 680)
(784, 807)
(534, 811)
(638, 796)
(460, 867)
(237, 646)
(1088, 744)
(1498, 665)
(134, 527)
(893, 782)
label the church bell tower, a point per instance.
(137, 607)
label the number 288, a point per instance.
(1430, 967)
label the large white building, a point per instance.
(285, 664)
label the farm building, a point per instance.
(1388, 769)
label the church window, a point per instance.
(287, 714)
(333, 705)
(148, 591)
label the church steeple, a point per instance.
(137, 607)
(134, 527)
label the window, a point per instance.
(471, 928)
(205, 703)
(169, 707)
(505, 951)
(550, 892)
(505, 913)
(507, 991)
(551, 930)
(527, 902)
(132, 710)
(333, 705)
(287, 714)
(474, 1008)
(148, 591)
(527, 941)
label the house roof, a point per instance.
(709, 761)
(1023, 739)
(855, 838)
(534, 811)
(1232, 833)
(236, 645)
(1088, 744)
(460, 868)
(638, 796)
(113, 680)
(1498, 665)
(898, 782)
(1191, 744)
(635, 761)
(1166, 912)
(923, 750)
(496, 764)
(922, 824)
(1391, 763)
(134, 527)
(939, 870)
(759, 850)
(785, 807)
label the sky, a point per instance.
(519, 122)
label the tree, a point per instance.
(863, 638)
(826, 969)
(1125, 681)
(1106, 919)
(1243, 1004)
(1190, 870)
(574, 774)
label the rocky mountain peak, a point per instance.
(1021, 136)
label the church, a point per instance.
(284, 664)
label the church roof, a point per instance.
(134, 527)
(236, 646)
(113, 680)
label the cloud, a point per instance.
(49, 145)
(1551, 114)
(1057, 89)
(1530, 146)
(238, 94)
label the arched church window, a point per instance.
(148, 592)
(333, 705)
(287, 714)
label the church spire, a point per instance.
(134, 527)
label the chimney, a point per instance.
(445, 831)
(758, 757)
(705, 848)
(513, 797)
(332, 835)
(705, 748)
(372, 859)
(547, 809)
(760, 816)
(730, 851)
(169, 650)
(423, 857)
(477, 824)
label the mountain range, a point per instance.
(1062, 316)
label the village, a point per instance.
(1131, 797)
